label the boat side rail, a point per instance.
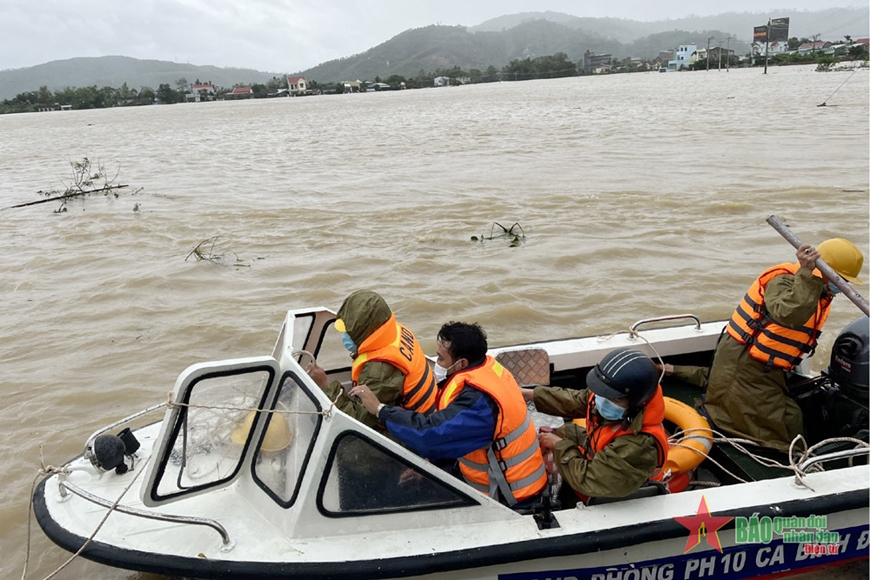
(844, 454)
(190, 520)
(633, 328)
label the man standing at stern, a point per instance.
(777, 322)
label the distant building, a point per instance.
(686, 54)
(666, 56)
(773, 48)
(240, 93)
(596, 62)
(813, 46)
(297, 85)
(717, 53)
(54, 107)
(200, 93)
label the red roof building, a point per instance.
(296, 85)
(240, 93)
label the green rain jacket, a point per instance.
(363, 312)
(742, 399)
(617, 470)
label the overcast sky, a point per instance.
(286, 35)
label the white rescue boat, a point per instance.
(220, 488)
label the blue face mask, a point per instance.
(608, 409)
(832, 290)
(348, 342)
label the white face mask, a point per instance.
(441, 372)
(608, 409)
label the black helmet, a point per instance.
(625, 372)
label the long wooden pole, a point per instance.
(829, 272)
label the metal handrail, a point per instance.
(90, 442)
(633, 328)
(194, 521)
(834, 455)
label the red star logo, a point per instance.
(702, 524)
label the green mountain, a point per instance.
(495, 42)
(529, 34)
(443, 47)
(831, 23)
(113, 71)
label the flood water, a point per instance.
(639, 195)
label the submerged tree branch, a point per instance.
(67, 195)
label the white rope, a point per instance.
(793, 465)
(170, 403)
(636, 334)
(794, 459)
(47, 470)
(43, 470)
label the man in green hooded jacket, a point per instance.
(368, 325)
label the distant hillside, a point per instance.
(444, 47)
(831, 23)
(495, 42)
(113, 71)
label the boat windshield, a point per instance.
(287, 442)
(210, 433)
(361, 477)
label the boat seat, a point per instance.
(529, 366)
(649, 489)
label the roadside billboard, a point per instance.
(779, 30)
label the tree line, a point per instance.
(552, 66)
(100, 98)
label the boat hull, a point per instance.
(649, 550)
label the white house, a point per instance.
(297, 85)
(200, 92)
(686, 54)
(813, 46)
(773, 48)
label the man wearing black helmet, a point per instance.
(623, 442)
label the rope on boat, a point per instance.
(47, 470)
(44, 470)
(636, 334)
(170, 403)
(795, 459)
(50, 470)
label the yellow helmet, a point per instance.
(844, 257)
(277, 434)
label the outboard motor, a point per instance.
(850, 361)
(836, 404)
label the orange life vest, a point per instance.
(393, 343)
(599, 435)
(513, 464)
(769, 342)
